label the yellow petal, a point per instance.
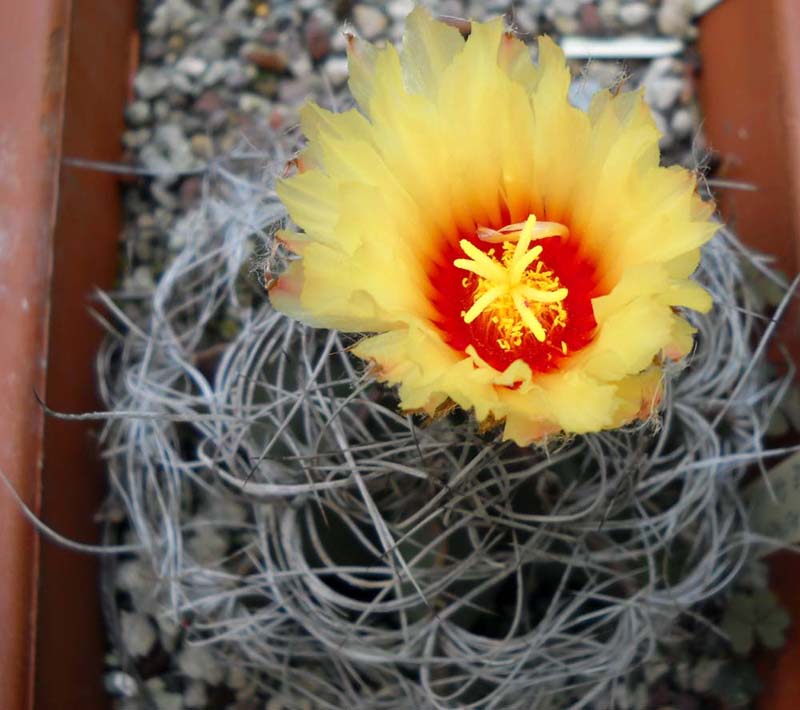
(428, 49)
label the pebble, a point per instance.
(141, 280)
(189, 192)
(172, 15)
(674, 17)
(563, 7)
(399, 9)
(198, 663)
(335, 70)
(207, 546)
(682, 123)
(192, 66)
(217, 71)
(119, 683)
(168, 631)
(369, 21)
(591, 21)
(168, 701)
(137, 138)
(150, 82)
(525, 21)
(237, 77)
(160, 109)
(135, 574)
(201, 145)
(178, 150)
(339, 42)
(208, 102)
(138, 633)
(301, 65)
(318, 33)
(211, 49)
(195, 695)
(663, 93)
(183, 84)
(251, 103)
(609, 12)
(237, 678)
(268, 58)
(635, 14)
(164, 195)
(567, 24)
(236, 11)
(138, 113)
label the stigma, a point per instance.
(515, 291)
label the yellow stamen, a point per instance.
(517, 291)
(529, 319)
(483, 303)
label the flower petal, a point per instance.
(428, 49)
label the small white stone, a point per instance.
(525, 20)
(237, 678)
(399, 9)
(150, 82)
(674, 17)
(138, 112)
(370, 21)
(207, 546)
(682, 123)
(192, 66)
(609, 12)
(700, 7)
(661, 67)
(141, 279)
(663, 93)
(634, 14)
(168, 629)
(300, 64)
(119, 683)
(235, 12)
(451, 8)
(655, 670)
(339, 41)
(217, 71)
(563, 7)
(567, 24)
(168, 701)
(704, 674)
(195, 695)
(198, 663)
(171, 138)
(171, 15)
(138, 632)
(225, 510)
(335, 70)
(253, 103)
(137, 138)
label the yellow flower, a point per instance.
(514, 255)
